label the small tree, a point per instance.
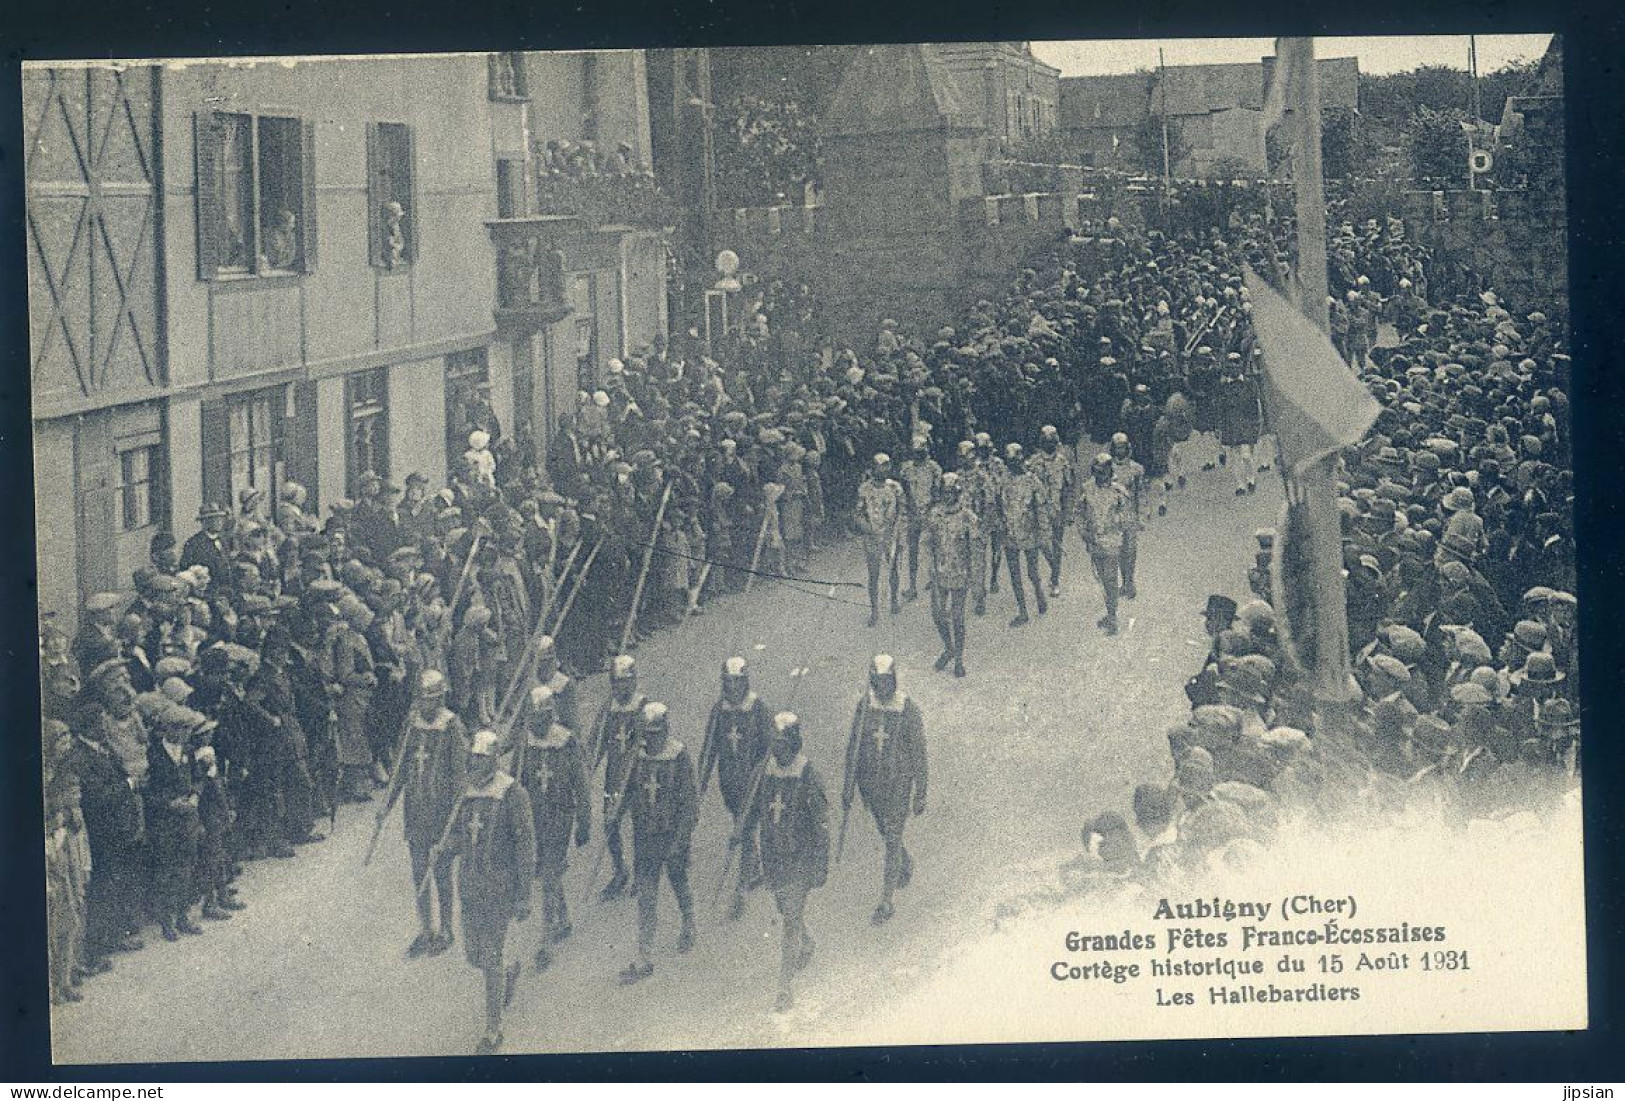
(1231, 168)
(1148, 141)
(1436, 145)
(1337, 142)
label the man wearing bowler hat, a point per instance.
(208, 547)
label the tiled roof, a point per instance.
(895, 89)
(1123, 100)
(1105, 102)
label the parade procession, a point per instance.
(675, 632)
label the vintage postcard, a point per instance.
(787, 547)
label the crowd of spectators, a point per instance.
(1457, 513)
(260, 674)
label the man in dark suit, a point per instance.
(207, 548)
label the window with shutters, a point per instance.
(468, 399)
(140, 486)
(508, 77)
(251, 422)
(583, 299)
(367, 394)
(393, 204)
(255, 195)
(510, 187)
(236, 193)
(243, 444)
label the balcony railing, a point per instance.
(530, 256)
(603, 199)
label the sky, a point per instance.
(1377, 55)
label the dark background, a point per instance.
(1594, 57)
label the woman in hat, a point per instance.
(354, 676)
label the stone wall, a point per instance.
(921, 276)
(1516, 239)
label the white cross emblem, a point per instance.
(622, 732)
(543, 773)
(880, 737)
(421, 756)
(475, 826)
(777, 806)
(651, 784)
(733, 737)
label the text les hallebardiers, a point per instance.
(1252, 925)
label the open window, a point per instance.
(255, 195)
(392, 195)
(507, 71)
(368, 400)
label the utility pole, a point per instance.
(1472, 69)
(1162, 96)
(1314, 489)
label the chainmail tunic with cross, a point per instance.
(494, 839)
(663, 804)
(433, 762)
(791, 813)
(889, 756)
(555, 776)
(615, 735)
(736, 739)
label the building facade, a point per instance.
(1015, 96)
(249, 273)
(1215, 112)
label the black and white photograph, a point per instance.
(714, 548)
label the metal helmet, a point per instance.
(883, 675)
(735, 678)
(654, 716)
(541, 700)
(787, 728)
(1101, 465)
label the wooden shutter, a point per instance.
(303, 457)
(375, 197)
(307, 167)
(216, 433)
(411, 194)
(98, 478)
(210, 218)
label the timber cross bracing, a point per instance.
(92, 217)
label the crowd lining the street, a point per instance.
(262, 672)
